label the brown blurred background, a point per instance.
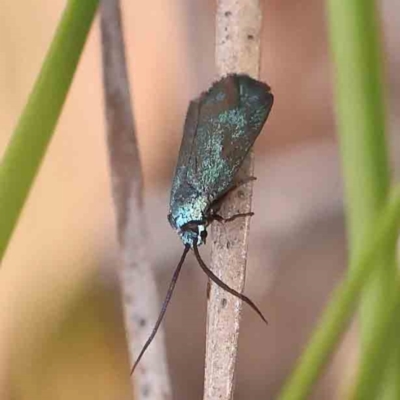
(61, 333)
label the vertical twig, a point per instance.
(238, 26)
(140, 299)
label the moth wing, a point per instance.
(230, 117)
(186, 150)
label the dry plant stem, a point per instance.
(140, 298)
(238, 24)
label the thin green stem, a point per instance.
(354, 37)
(336, 316)
(357, 57)
(35, 127)
(374, 359)
(360, 112)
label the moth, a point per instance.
(221, 126)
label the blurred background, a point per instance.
(61, 330)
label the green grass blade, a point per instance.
(375, 357)
(34, 130)
(360, 112)
(355, 41)
(340, 308)
(356, 49)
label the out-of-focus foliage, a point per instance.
(54, 339)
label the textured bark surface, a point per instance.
(238, 25)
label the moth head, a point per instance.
(193, 232)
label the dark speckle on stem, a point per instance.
(250, 37)
(142, 322)
(223, 302)
(228, 13)
(146, 390)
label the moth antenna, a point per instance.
(164, 306)
(223, 285)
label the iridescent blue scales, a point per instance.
(220, 129)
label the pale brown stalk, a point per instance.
(238, 25)
(140, 298)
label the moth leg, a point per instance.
(221, 219)
(218, 203)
